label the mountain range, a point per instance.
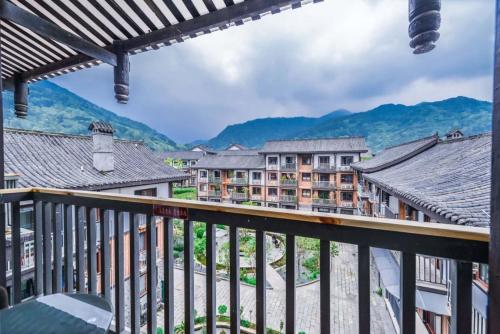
(55, 109)
(383, 126)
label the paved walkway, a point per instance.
(343, 298)
(274, 279)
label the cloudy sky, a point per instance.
(350, 54)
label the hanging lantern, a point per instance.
(20, 97)
(425, 20)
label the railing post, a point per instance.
(211, 277)
(3, 240)
(57, 238)
(461, 297)
(364, 288)
(91, 251)
(260, 246)
(135, 305)
(151, 272)
(105, 254)
(168, 272)
(234, 278)
(407, 293)
(188, 278)
(16, 252)
(324, 283)
(119, 273)
(80, 250)
(38, 214)
(67, 215)
(47, 250)
(290, 284)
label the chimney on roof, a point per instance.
(102, 138)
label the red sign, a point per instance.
(170, 211)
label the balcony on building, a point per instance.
(323, 185)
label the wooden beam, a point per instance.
(13, 13)
(494, 253)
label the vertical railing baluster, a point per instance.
(461, 297)
(3, 245)
(211, 277)
(407, 293)
(324, 285)
(260, 255)
(67, 215)
(119, 273)
(38, 214)
(16, 252)
(364, 288)
(168, 272)
(57, 239)
(188, 278)
(151, 272)
(234, 278)
(135, 305)
(80, 249)
(290, 284)
(47, 249)
(91, 251)
(105, 254)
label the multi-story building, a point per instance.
(96, 163)
(294, 174)
(431, 180)
(185, 161)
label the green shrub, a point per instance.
(222, 309)
(245, 323)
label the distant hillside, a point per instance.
(254, 133)
(55, 109)
(386, 125)
(392, 124)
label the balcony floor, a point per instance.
(343, 298)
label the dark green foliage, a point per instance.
(55, 109)
(384, 126)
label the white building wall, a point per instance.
(162, 189)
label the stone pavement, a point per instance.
(343, 300)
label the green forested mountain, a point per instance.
(55, 109)
(386, 125)
(255, 132)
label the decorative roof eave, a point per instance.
(107, 186)
(405, 157)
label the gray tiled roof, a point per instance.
(62, 161)
(347, 144)
(101, 126)
(451, 179)
(239, 152)
(183, 155)
(238, 161)
(395, 154)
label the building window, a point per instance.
(272, 160)
(289, 160)
(483, 273)
(324, 177)
(193, 162)
(203, 173)
(346, 161)
(146, 192)
(306, 193)
(306, 177)
(142, 284)
(272, 176)
(256, 191)
(216, 173)
(346, 178)
(256, 175)
(306, 161)
(347, 196)
(272, 192)
(324, 159)
(203, 187)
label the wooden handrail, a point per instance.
(391, 225)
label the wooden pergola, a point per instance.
(41, 39)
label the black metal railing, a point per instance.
(59, 212)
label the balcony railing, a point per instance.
(325, 166)
(273, 198)
(346, 204)
(272, 183)
(289, 167)
(288, 198)
(77, 211)
(256, 197)
(323, 185)
(272, 167)
(257, 182)
(214, 179)
(238, 180)
(203, 179)
(347, 186)
(288, 183)
(239, 196)
(324, 201)
(214, 193)
(344, 169)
